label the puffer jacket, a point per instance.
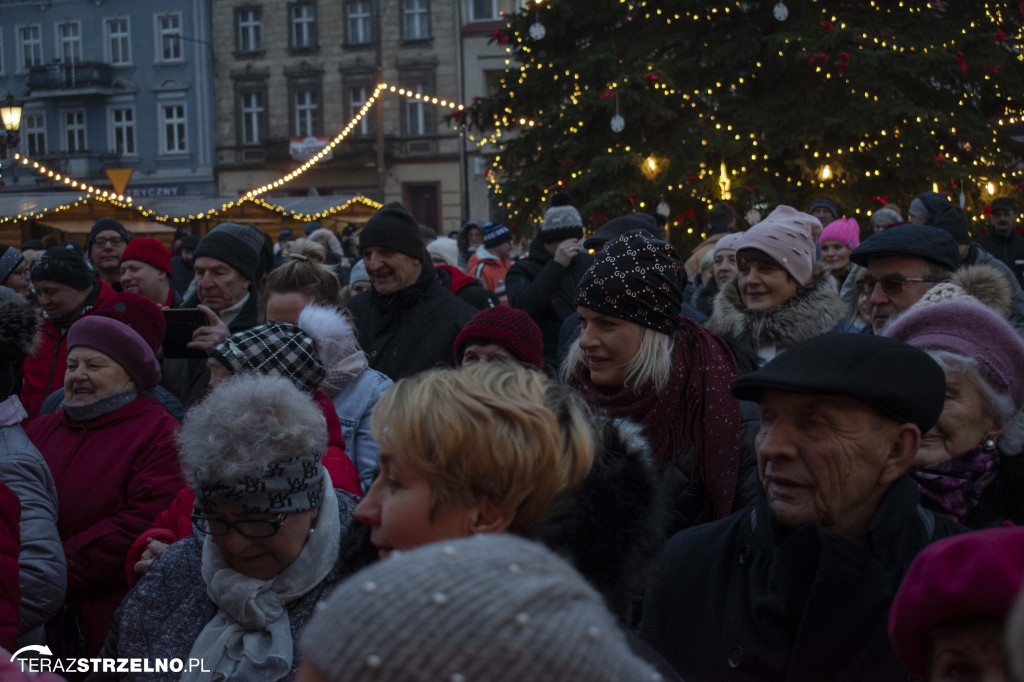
(412, 329)
(42, 571)
(113, 475)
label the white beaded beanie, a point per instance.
(488, 608)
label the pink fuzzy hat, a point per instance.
(970, 329)
(845, 231)
(786, 236)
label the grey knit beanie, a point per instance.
(237, 245)
(484, 608)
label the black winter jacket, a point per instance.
(546, 291)
(732, 600)
(412, 329)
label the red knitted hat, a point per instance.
(139, 313)
(508, 327)
(148, 250)
(974, 575)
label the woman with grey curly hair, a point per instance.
(268, 526)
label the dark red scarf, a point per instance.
(695, 408)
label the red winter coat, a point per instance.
(44, 370)
(114, 474)
(10, 546)
(175, 522)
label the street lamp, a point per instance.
(10, 114)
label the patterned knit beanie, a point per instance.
(511, 328)
(562, 221)
(786, 236)
(237, 245)
(636, 277)
(491, 607)
(275, 348)
(496, 234)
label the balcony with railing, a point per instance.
(71, 79)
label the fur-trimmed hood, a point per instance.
(19, 322)
(614, 524)
(814, 310)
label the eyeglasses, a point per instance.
(892, 285)
(108, 241)
(249, 529)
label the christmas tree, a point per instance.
(868, 102)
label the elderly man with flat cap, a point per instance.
(799, 587)
(406, 322)
(902, 264)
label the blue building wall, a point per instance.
(112, 65)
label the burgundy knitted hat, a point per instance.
(972, 330)
(846, 231)
(786, 236)
(139, 313)
(122, 343)
(148, 250)
(508, 327)
(974, 575)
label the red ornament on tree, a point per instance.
(827, 25)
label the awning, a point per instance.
(83, 226)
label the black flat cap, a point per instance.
(927, 242)
(617, 227)
(898, 380)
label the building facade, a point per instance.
(290, 75)
(112, 84)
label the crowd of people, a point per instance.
(381, 454)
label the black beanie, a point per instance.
(954, 221)
(63, 266)
(106, 224)
(393, 227)
(239, 246)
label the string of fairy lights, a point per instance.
(699, 100)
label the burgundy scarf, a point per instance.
(695, 407)
(953, 487)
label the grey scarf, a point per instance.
(100, 406)
(250, 638)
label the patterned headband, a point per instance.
(289, 485)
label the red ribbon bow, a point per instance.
(827, 25)
(606, 94)
(688, 214)
(883, 200)
(939, 158)
(499, 37)
(999, 36)
(960, 61)
(632, 198)
(652, 78)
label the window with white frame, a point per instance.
(168, 31)
(252, 114)
(119, 41)
(30, 45)
(33, 132)
(73, 125)
(417, 115)
(122, 131)
(249, 21)
(307, 113)
(359, 22)
(172, 129)
(69, 42)
(357, 96)
(415, 19)
(303, 26)
(483, 10)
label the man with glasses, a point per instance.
(902, 264)
(106, 242)
(14, 271)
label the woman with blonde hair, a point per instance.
(638, 358)
(495, 448)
